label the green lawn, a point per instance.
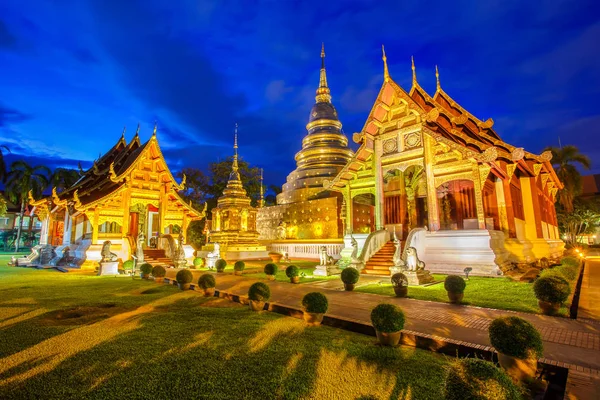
(500, 293)
(306, 271)
(75, 335)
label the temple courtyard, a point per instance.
(79, 335)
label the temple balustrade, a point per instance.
(307, 249)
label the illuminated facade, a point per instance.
(128, 191)
(304, 207)
(425, 161)
(233, 223)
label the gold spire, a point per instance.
(437, 78)
(386, 73)
(414, 70)
(234, 166)
(323, 92)
(261, 200)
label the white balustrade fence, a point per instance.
(306, 250)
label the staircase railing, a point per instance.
(375, 241)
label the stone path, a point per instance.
(589, 300)
(571, 343)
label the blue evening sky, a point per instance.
(73, 73)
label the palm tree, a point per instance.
(563, 161)
(64, 178)
(22, 178)
(2, 163)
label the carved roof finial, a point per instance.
(437, 78)
(137, 131)
(154, 132)
(386, 73)
(123, 133)
(414, 70)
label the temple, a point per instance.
(305, 211)
(444, 181)
(129, 197)
(233, 223)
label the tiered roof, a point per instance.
(107, 174)
(445, 120)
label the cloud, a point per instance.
(7, 40)
(11, 116)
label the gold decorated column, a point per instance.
(478, 197)
(379, 199)
(433, 215)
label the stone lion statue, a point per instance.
(324, 258)
(106, 253)
(412, 260)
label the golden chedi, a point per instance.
(324, 149)
(234, 220)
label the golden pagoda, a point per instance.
(234, 219)
(324, 150)
(304, 210)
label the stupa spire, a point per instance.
(261, 200)
(386, 73)
(323, 92)
(234, 166)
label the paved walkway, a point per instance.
(589, 300)
(575, 344)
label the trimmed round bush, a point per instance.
(350, 275)
(146, 269)
(387, 318)
(455, 284)
(239, 266)
(570, 261)
(399, 280)
(259, 292)
(270, 269)
(292, 271)
(198, 262)
(128, 265)
(476, 379)
(207, 281)
(515, 337)
(184, 276)
(315, 302)
(220, 265)
(551, 289)
(159, 271)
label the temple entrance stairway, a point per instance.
(157, 257)
(380, 262)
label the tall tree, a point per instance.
(22, 178)
(64, 178)
(3, 171)
(564, 160)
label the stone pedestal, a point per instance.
(109, 268)
(420, 277)
(326, 270)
